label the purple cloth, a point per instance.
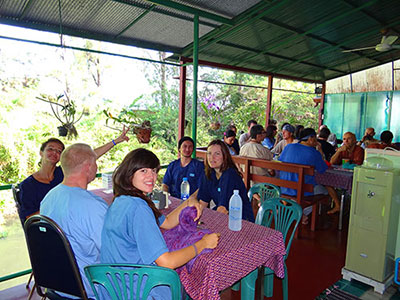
(185, 234)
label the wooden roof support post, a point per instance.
(195, 76)
(269, 101)
(321, 107)
(182, 101)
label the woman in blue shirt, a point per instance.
(220, 178)
(131, 231)
(270, 134)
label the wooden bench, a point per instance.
(300, 186)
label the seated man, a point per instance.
(185, 166)
(245, 137)
(78, 212)
(255, 149)
(288, 138)
(386, 141)
(304, 153)
(349, 151)
(326, 147)
(368, 138)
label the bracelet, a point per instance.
(195, 250)
(114, 142)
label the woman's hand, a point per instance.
(210, 240)
(123, 136)
(193, 202)
(222, 209)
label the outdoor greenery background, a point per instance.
(26, 122)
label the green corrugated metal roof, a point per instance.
(295, 38)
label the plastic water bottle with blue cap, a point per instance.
(235, 211)
(185, 189)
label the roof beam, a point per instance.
(273, 55)
(247, 18)
(187, 9)
(314, 28)
(25, 9)
(136, 20)
(159, 10)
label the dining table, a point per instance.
(339, 178)
(238, 253)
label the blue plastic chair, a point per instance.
(396, 271)
(139, 280)
(285, 215)
(265, 191)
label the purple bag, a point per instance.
(185, 234)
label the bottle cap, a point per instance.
(184, 178)
(236, 192)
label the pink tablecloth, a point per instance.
(337, 178)
(237, 254)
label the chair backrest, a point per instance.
(139, 280)
(265, 191)
(16, 195)
(284, 213)
(52, 259)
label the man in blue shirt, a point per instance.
(185, 166)
(304, 153)
(78, 212)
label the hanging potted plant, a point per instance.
(64, 109)
(212, 110)
(130, 118)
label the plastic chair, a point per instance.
(53, 261)
(138, 279)
(15, 190)
(265, 190)
(285, 215)
(396, 271)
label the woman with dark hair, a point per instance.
(235, 144)
(229, 139)
(220, 178)
(36, 186)
(297, 131)
(131, 231)
(270, 134)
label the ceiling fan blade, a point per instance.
(359, 49)
(389, 39)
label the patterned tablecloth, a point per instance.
(337, 178)
(237, 254)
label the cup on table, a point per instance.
(345, 161)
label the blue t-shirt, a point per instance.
(220, 190)
(80, 214)
(268, 142)
(304, 155)
(32, 193)
(131, 235)
(175, 172)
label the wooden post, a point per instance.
(182, 101)
(269, 101)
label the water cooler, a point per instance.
(372, 244)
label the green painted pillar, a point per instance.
(195, 74)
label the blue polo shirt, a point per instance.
(220, 190)
(304, 155)
(175, 173)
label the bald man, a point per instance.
(78, 212)
(349, 150)
(368, 138)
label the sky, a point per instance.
(123, 79)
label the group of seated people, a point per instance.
(128, 231)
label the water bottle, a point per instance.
(185, 189)
(235, 211)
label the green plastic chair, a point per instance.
(285, 215)
(265, 190)
(143, 277)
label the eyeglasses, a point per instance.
(51, 149)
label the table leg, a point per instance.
(260, 284)
(341, 211)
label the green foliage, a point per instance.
(9, 167)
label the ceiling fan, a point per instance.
(386, 44)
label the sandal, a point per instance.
(304, 220)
